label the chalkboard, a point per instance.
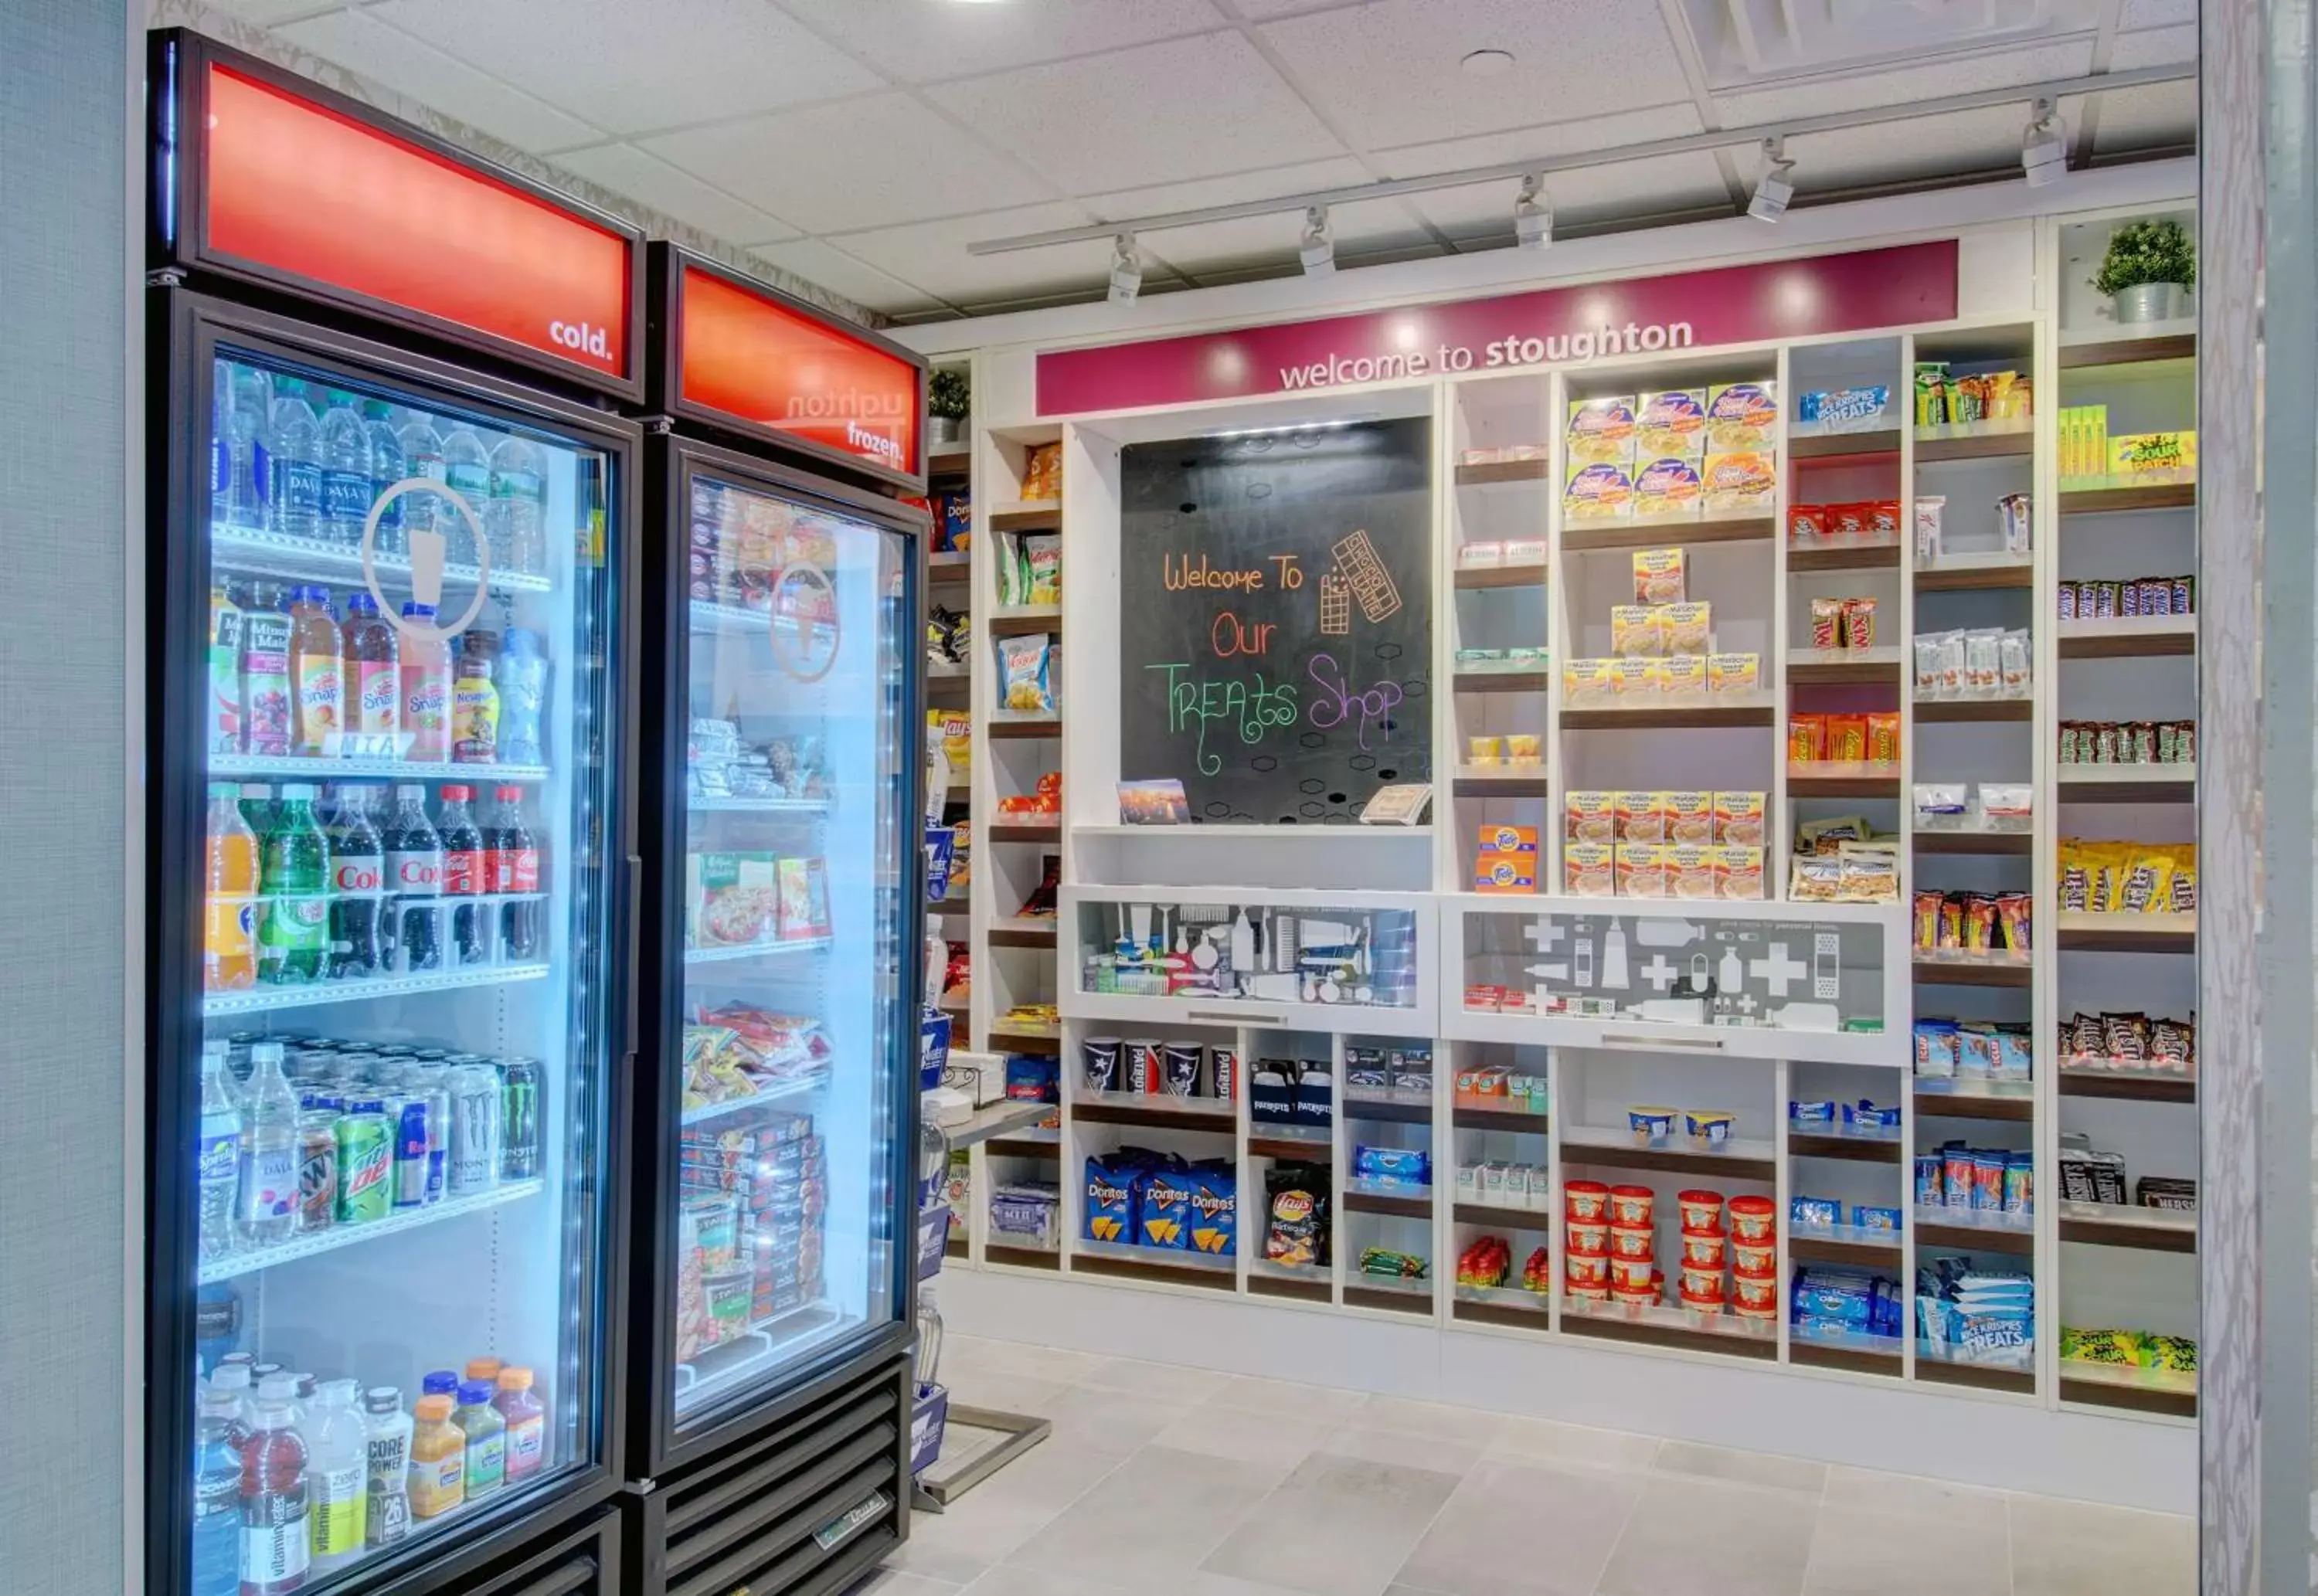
(1276, 618)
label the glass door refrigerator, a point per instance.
(775, 1192)
(390, 779)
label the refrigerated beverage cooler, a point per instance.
(775, 1192)
(392, 661)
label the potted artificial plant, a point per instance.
(2147, 265)
(946, 399)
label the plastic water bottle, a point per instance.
(387, 467)
(518, 505)
(269, 1151)
(345, 470)
(523, 698)
(338, 1468)
(467, 472)
(238, 422)
(218, 1441)
(422, 456)
(297, 462)
(219, 1156)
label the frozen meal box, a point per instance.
(1671, 423)
(1601, 431)
(1665, 486)
(1741, 415)
(1600, 491)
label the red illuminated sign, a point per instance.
(292, 188)
(757, 359)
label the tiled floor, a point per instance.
(1163, 1481)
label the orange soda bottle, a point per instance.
(230, 918)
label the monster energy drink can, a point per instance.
(476, 1108)
(520, 1129)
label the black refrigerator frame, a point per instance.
(657, 1447)
(184, 325)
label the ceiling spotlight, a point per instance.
(1776, 187)
(1533, 214)
(1488, 63)
(2045, 146)
(1319, 249)
(1125, 270)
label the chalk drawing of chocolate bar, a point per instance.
(1335, 606)
(1363, 567)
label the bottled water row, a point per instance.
(307, 462)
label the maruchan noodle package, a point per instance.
(1590, 817)
(1658, 576)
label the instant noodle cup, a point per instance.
(1586, 1238)
(1702, 1212)
(1633, 1240)
(1586, 1199)
(1630, 1274)
(1754, 1219)
(1631, 1205)
(1757, 1260)
(1756, 1293)
(1586, 1269)
(1699, 1280)
(1704, 1249)
(1651, 1125)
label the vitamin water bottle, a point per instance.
(275, 1497)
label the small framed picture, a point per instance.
(1402, 805)
(1154, 803)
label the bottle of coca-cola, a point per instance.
(357, 885)
(465, 870)
(413, 880)
(513, 869)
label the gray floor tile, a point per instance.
(991, 1521)
(1337, 1527)
(1703, 1537)
(1433, 1420)
(1162, 1382)
(1007, 1580)
(1006, 1393)
(1862, 1552)
(1057, 1365)
(1455, 1457)
(2073, 1549)
(1546, 1440)
(1867, 1490)
(1514, 1528)
(1160, 1511)
(887, 1581)
(1278, 1440)
(1763, 1469)
(1281, 1396)
(1112, 1421)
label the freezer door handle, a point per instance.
(635, 945)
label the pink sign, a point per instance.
(1828, 293)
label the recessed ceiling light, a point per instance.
(1488, 63)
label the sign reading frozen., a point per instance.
(1900, 286)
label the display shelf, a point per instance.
(1502, 681)
(2126, 783)
(2120, 1224)
(2077, 931)
(1498, 1214)
(1680, 1328)
(2126, 637)
(1392, 1111)
(1208, 1115)
(1992, 446)
(320, 768)
(1594, 538)
(2148, 1390)
(1967, 573)
(1028, 1144)
(1959, 1230)
(757, 950)
(1527, 573)
(994, 1121)
(1019, 726)
(797, 1087)
(1520, 1122)
(1877, 664)
(1500, 781)
(2116, 343)
(1751, 709)
(1015, 1039)
(1976, 432)
(1266, 1279)
(1978, 840)
(949, 566)
(1938, 1099)
(1372, 1292)
(1482, 472)
(398, 1222)
(1809, 1347)
(1845, 1243)
(1998, 969)
(1341, 832)
(1168, 1265)
(260, 1000)
(1741, 1160)
(2139, 1086)
(1029, 515)
(1020, 933)
(1022, 1258)
(1887, 1049)
(1860, 554)
(1949, 709)
(2007, 1369)
(260, 552)
(949, 907)
(1853, 1148)
(1834, 778)
(1048, 831)
(947, 670)
(1513, 1306)
(955, 460)
(1358, 1199)
(2113, 499)
(1842, 445)
(1287, 1149)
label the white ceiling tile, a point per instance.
(933, 255)
(631, 68)
(863, 163)
(1156, 113)
(2153, 47)
(2154, 14)
(270, 13)
(1929, 81)
(650, 181)
(1239, 189)
(2155, 116)
(1539, 143)
(1388, 73)
(424, 73)
(923, 40)
(1260, 9)
(1589, 194)
(841, 274)
(1898, 152)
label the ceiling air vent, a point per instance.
(1747, 43)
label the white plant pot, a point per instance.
(2148, 301)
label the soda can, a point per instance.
(365, 1163)
(524, 1090)
(429, 1085)
(317, 1169)
(476, 1107)
(410, 1141)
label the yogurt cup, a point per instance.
(1631, 1205)
(1752, 1295)
(1630, 1274)
(1636, 1300)
(1633, 1240)
(1592, 1295)
(1758, 1315)
(1704, 1249)
(1652, 1126)
(1586, 1199)
(1702, 1212)
(1584, 1269)
(1758, 1260)
(1702, 1283)
(1754, 1219)
(1708, 1127)
(1587, 1238)
(1704, 1311)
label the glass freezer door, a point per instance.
(794, 992)
(401, 1071)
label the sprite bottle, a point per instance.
(294, 874)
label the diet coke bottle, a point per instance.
(357, 885)
(413, 880)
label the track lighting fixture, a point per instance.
(1125, 270)
(1319, 249)
(1776, 187)
(1533, 214)
(2045, 146)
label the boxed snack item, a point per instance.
(1637, 630)
(1845, 410)
(1658, 576)
(1635, 678)
(1588, 869)
(2167, 456)
(1601, 492)
(1807, 525)
(1738, 872)
(1806, 739)
(1641, 816)
(1688, 817)
(1686, 628)
(1690, 870)
(1741, 415)
(1739, 817)
(1587, 684)
(1665, 486)
(1601, 431)
(1590, 817)
(1733, 673)
(1683, 676)
(1741, 482)
(1639, 869)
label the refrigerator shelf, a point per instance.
(726, 803)
(260, 552)
(800, 1087)
(216, 1004)
(765, 1341)
(751, 950)
(322, 767)
(347, 1235)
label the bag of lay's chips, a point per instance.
(1163, 1212)
(1111, 1194)
(1297, 1233)
(1215, 1207)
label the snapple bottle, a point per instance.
(317, 672)
(373, 674)
(426, 687)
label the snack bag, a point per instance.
(1883, 738)
(1847, 739)
(952, 732)
(1687, 628)
(1109, 1202)
(1741, 415)
(1601, 431)
(1024, 684)
(1636, 631)
(1806, 526)
(1042, 471)
(1858, 623)
(1743, 483)
(1042, 563)
(1296, 1205)
(1683, 676)
(1827, 622)
(1163, 1215)
(1671, 425)
(1733, 673)
(1598, 492)
(1667, 487)
(1586, 684)
(1588, 869)
(1658, 576)
(1214, 1196)
(1590, 817)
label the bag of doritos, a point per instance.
(1215, 1207)
(1110, 1193)
(1162, 1210)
